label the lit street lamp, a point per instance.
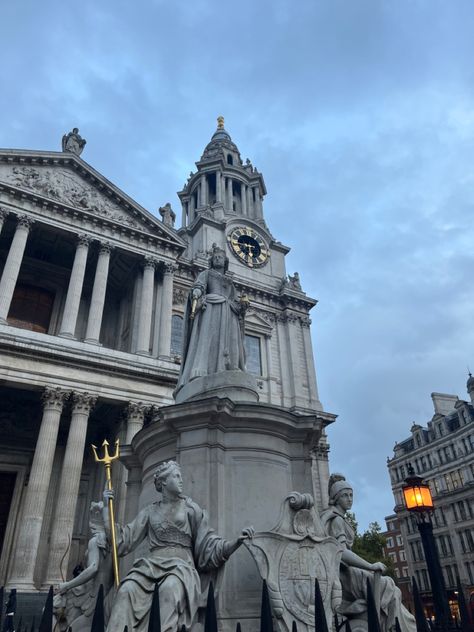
(418, 501)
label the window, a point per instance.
(253, 358)
(389, 543)
(402, 556)
(230, 160)
(31, 308)
(399, 540)
(176, 334)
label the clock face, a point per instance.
(248, 246)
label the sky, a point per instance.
(359, 114)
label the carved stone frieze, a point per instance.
(65, 186)
(179, 296)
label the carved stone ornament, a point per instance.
(83, 402)
(25, 221)
(54, 398)
(167, 214)
(62, 184)
(179, 296)
(290, 556)
(73, 142)
(136, 411)
(169, 268)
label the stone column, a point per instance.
(203, 196)
(96, 308)
(135, 418)
(192, 208)
(65, 510)
(4, 212)
(164, 340)
(184, 214)
(218, 187)
(146, 307)
(229, 196)
(29, 531)
(243, 196)
(258, 202)
(250, 212)
(13, 264)
(74, 291)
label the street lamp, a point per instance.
(418, 501)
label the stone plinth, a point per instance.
(238, 459)
(236, 385)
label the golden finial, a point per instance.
(220, 122)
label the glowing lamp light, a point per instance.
(417, 494)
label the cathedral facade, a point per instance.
(92, 300)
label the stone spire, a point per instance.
(222, 186)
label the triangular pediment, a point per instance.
(259, 320)
(66, 179)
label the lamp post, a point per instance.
(418, 501)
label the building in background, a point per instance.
(395, 550)
(442, 452)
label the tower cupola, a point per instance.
(223, 185)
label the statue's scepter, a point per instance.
(107, 461)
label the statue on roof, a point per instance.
(73, 142)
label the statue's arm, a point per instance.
(93, 561)
(129, 536)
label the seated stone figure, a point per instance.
(75, 600)
(355, 570)
(180, 546)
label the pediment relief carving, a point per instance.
(60, 183)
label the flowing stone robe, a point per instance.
(180, 549)
(354, 581)
(213, 341)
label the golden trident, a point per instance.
(107, 461)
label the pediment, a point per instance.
(66, 179)
(259, 320)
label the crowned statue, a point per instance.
(213, 354)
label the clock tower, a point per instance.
(222, 203)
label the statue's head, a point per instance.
(168, 470)
(340, 490)
(218, 258)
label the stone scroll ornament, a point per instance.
(290, 556)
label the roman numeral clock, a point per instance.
(248, 246)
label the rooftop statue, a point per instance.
(355, 570)
(213, 331)
(73, 142)
(74, 601)
(181, 545)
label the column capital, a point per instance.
(4, 212)
(105, 247)
(149, 262)
(83, 402)
(25, 221)
(136, 411)
(84, 240)
(169, 267)
(54, 398)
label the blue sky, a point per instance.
(360, 115)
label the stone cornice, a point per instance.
(41, 158)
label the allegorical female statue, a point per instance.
(75, 600)
(214, 324)
(355, 570)
(180, 546)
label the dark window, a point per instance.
(31, 308)
(230, 160)
(176, 334)
(253, 359)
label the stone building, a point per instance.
(395, 550)
(92, 296)
(442, 452)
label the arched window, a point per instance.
(176, 334)
(230, 160)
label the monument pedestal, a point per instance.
(236, 385)
(238, 461)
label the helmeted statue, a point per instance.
(355, 570)
(213, 341)
(181, 545)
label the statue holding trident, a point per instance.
(107, 460)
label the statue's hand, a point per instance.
(196, 293)
(247, 534)
(379, 567)
(108, 494)
(59, 589)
